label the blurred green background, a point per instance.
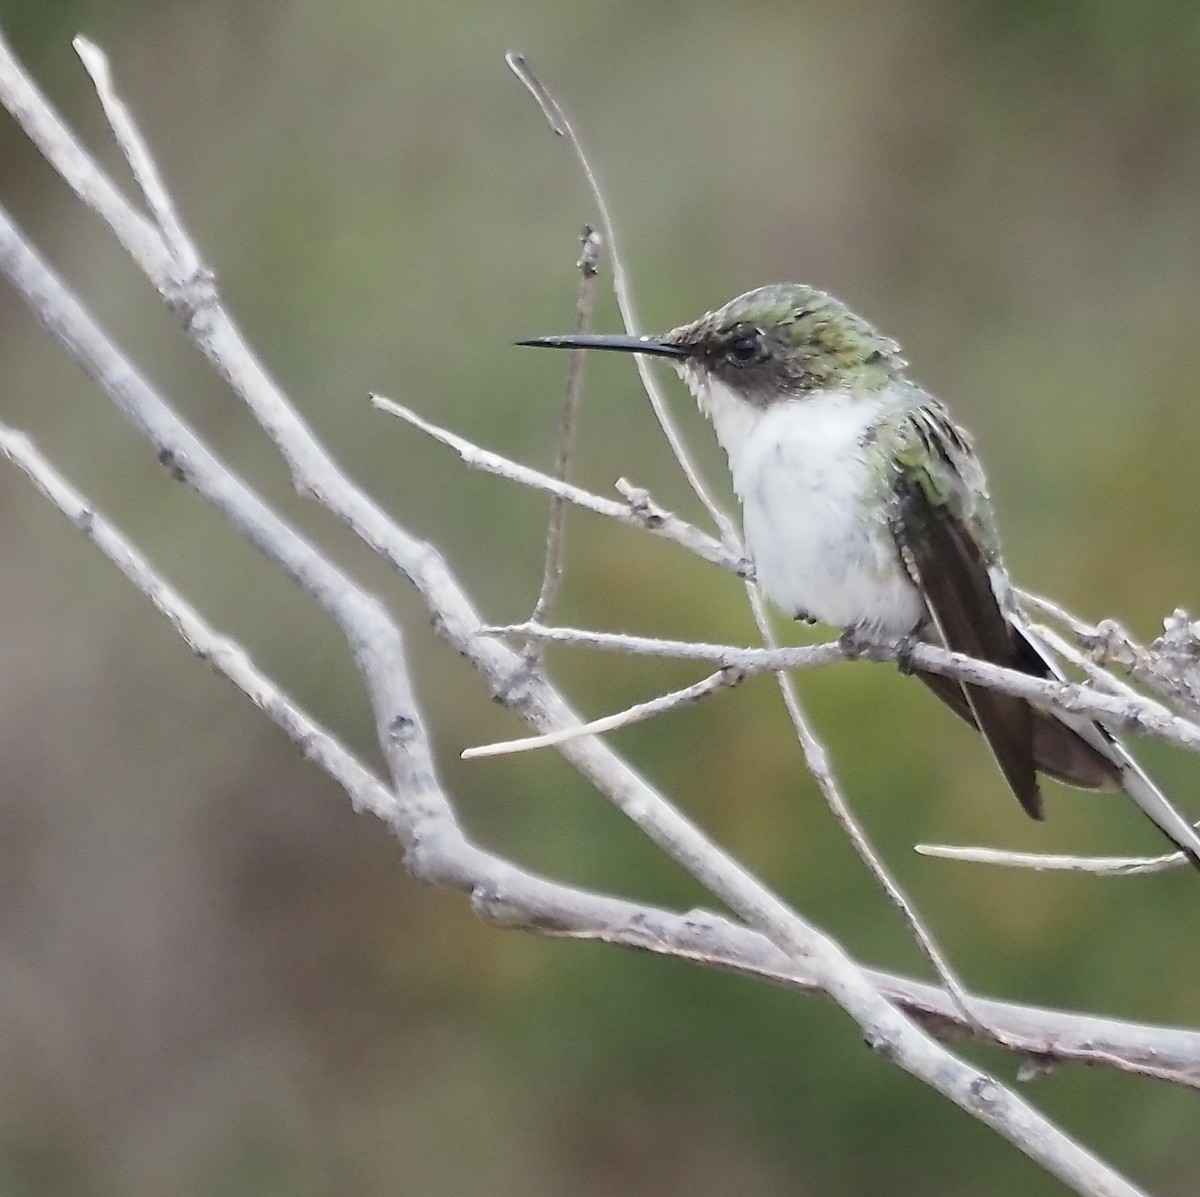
(214, 977)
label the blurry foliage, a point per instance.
(215, 977)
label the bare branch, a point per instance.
(145, 173)
(1055, 611)
(705, 939)
(1168, 667)
(557, 118)
(1099, 866)
(1136, 714)
(640, 511)
(588, 267)
(225, 656)
(638, 713)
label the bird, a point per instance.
(865, 507)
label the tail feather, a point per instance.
(1077, 750)
(1136, 783)
(1128, 774)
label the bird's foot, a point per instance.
(904, 653)
(855, 641)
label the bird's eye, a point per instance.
(745, 347)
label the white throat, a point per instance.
(733, 419)
(827, 426)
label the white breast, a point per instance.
(812, 508)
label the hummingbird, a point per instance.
(865, 507)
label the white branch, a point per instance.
(145, 173)
(225, 656)
(1045, 862)
(1137, 713)
(638, 511)
(638, 713)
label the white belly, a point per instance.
(812, 512)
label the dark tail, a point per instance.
(1077, 750)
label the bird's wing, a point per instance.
(940, 517)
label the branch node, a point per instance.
(881, 1042)
(984, 1091)
(172, 460)
(194, 300)
(402, 728)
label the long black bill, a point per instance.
(655, 346)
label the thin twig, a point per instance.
(1057, 612)
(1110, 644)
(723, 679)
(561, 125)
(816, 759)
(1101, 678)
(141, 164)
(638, 512)
(1100, 866)
(585, 300)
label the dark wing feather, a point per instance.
(1058, 751)
(945, 561)
(942, 524)
(943, 528)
